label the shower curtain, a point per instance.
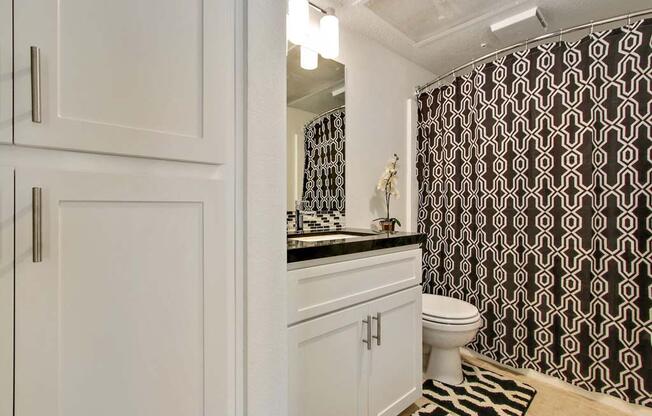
(535, 193)
(324, 162)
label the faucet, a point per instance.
(298, 215)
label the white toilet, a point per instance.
(448, 324)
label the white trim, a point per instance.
(7, 276)
(411, 185)
(265, 208)
(239, 170)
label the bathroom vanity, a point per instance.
(354, 323)
(354, 296)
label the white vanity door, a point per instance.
(395, 375)
(151, 78)
(328, 365)
(6, 112)
(6, 290)
(130, 310)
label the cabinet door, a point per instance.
(328, 365)
(6, 290)
(130, 310)
(151, 78)
(395, 370)
(6, 112)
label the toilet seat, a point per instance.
(448, 311)
(445, 321)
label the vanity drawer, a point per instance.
(321, 289)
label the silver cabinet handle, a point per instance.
(368, 323)
(377, 336)
(35, 59)
(37, 255)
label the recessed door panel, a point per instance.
(130, 303)
(126, 313)
(134, 64)
(150, 78)
(328, 365)
(395, 375)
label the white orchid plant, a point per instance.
(388, 184)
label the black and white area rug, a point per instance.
(483, 393)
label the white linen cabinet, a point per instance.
(117, 281)
(122, 305)
(151, 78)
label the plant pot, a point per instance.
(387, 225)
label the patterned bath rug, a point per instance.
(483, 393)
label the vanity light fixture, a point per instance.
(309, 58)
(329, 34)
(298, 20)
(324, 40)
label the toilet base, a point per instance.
(445, 365)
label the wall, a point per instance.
(265, 180)
(296, 120)
(379, 84)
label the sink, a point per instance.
(323, 237)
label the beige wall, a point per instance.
(379, 84)
(265, 244)
(296, 119)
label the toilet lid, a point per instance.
(448, 310)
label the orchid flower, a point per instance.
(388, 183)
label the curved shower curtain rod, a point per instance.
(559, 33)
(332, 110)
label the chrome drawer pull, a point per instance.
(37, 241)
(35, 59)
(377, 336)
(368, 323)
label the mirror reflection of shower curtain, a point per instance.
(324, 162)
(535, 194)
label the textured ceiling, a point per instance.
(425, 20)
(440, 35)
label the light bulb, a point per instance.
(308, 58)
(297, 21)
(329, 34)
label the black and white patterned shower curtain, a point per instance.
(535, 192)
(324, 163)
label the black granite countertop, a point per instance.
(364, 240)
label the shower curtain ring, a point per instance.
(629, 19)
(561, 32)
(526, 42)
(591, 27)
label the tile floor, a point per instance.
(549, 401)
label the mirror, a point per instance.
(315, 134)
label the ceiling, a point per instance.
(317, 90)
(440, 35)
(425, 20)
